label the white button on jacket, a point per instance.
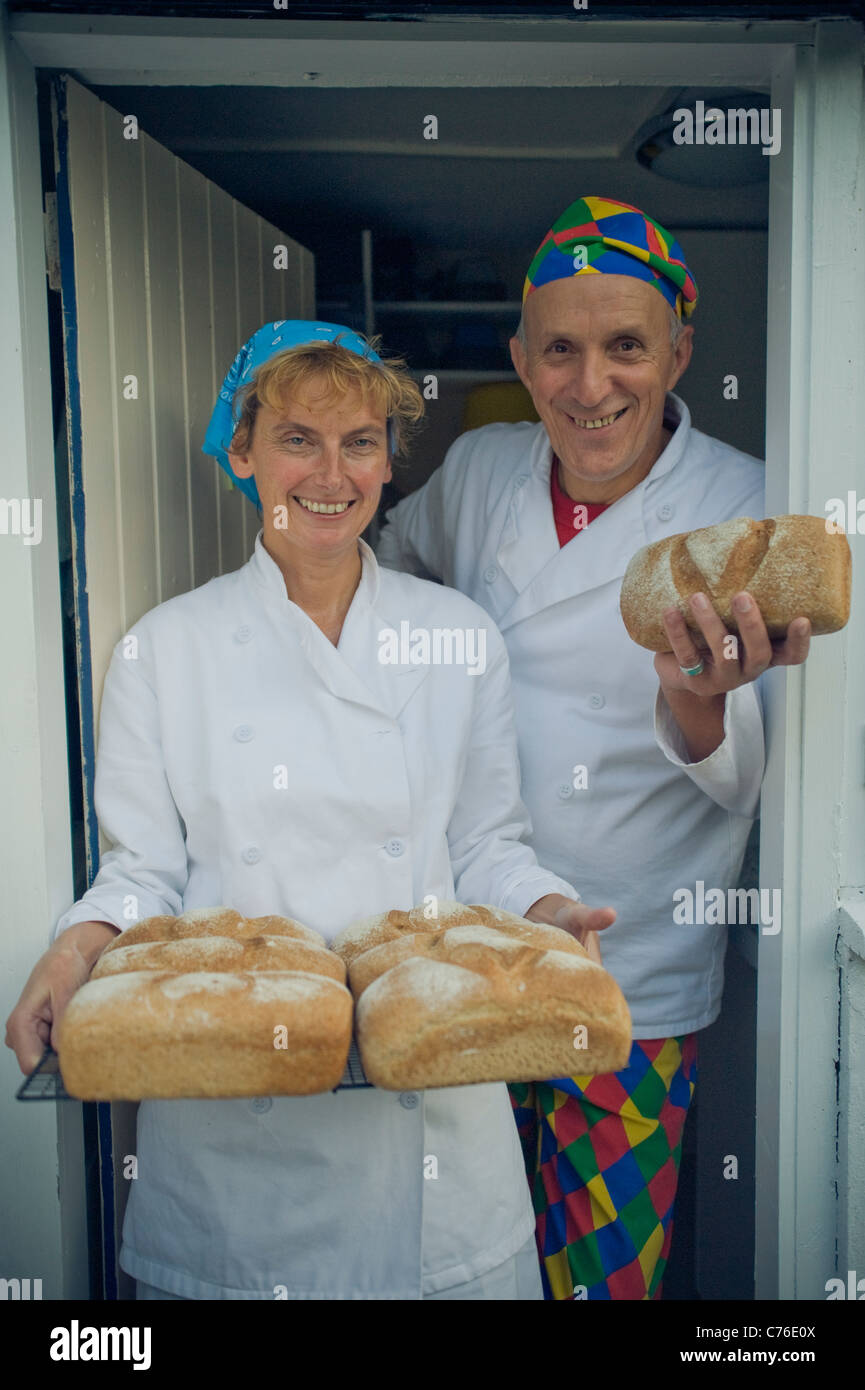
(647, 822)
(324, 1195)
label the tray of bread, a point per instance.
(213, 1004)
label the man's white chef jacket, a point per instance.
(648, 821)
(245, 761)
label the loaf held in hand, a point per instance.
(151, 1034)
(791, 565)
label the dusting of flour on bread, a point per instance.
(711, 548)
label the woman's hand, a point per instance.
(580, 921)
(64, 968)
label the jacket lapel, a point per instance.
(352, 671)
(545, 573)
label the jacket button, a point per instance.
(409, 1100)
(243, 634)
(491, 573)
(244, 732)
(596, 701)
(260, 1105)
(395, 848)
(565, 791)
(522, 480)
(251, 855)
(666, 511)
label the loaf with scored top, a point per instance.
(152, 1034)
(468, 1013)
(221, 953)
(391, 926)
(475, 994)
(212, 921)
(208, 1004)
(790, 565)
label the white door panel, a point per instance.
(164, 276)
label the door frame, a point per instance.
(815, 417)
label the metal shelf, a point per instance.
(481, 308)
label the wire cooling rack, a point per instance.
(45, 1081)
(354, 1074)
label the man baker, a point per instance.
(641, 775)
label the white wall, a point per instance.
(38, 1238)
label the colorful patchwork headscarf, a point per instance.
(266, 343)
(599, 236)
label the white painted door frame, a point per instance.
(812, 834)
(813, 816)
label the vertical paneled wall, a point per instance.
(171, 277)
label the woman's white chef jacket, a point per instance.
(648, 822)
(244, 760)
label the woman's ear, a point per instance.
(240, 463)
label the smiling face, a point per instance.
(598, 363)
(319, 465)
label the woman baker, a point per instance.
(255, 752)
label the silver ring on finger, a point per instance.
(693, 670)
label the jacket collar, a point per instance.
(352, 670)
(542, 571)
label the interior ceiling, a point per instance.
(321, 163)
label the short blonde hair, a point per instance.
(337, 371)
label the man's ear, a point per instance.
(520, 361)
(681, 356)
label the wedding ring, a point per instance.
(692, 670)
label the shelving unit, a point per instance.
(444, 421)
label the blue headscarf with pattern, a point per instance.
(266, 343)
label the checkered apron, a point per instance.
(602, 1157)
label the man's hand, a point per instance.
(575, 918)
(730, 661)
(697, 702)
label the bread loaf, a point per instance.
(467, 1013)
(368, 932)
(475, 994)
(790, 565)
(221, 953)
(188, 1007)
(454, 944)
(212, 921)
(151, 1034)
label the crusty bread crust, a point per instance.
(151, 1034)
(368, 932)
(791, 565)
(221, 953)
(490, 1014)
(212, 921)
(209, 1004)
(475, 994)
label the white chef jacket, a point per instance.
(402, 780)
(648, 821)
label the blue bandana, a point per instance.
(266, 343)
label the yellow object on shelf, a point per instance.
(497, 402)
